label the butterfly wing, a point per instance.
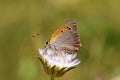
(66, 37)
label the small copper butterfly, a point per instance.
(65, 38)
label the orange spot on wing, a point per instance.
(59, 31)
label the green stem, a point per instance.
(52, 78)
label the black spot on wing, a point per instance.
(61, 31)
(68, 28)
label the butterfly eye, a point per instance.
(46, 43)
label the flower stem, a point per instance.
(52, 78)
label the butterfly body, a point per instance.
(65, 38)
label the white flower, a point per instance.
(56, 63)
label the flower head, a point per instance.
(56, 63)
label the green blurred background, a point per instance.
(98, 25)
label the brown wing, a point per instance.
(69, 25)
(67, 39)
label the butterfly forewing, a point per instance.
(66, 37)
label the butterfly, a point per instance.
(65, 38)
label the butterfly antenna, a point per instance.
(36, 35)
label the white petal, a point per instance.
(59, 58)
(41, 51)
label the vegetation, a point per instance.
(98, 23)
